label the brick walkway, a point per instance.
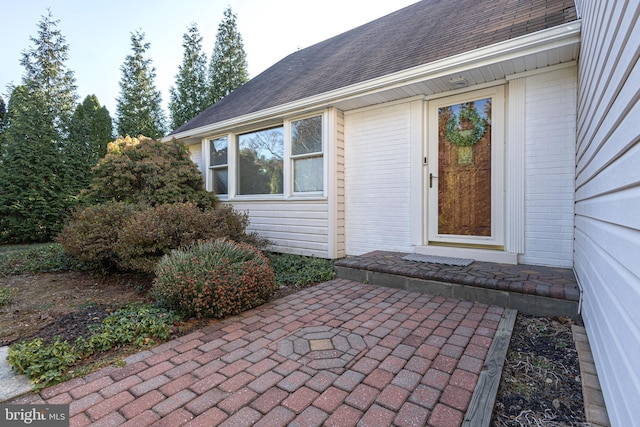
(340, 353)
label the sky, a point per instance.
(98, 33)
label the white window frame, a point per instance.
(211, 168)
(289, 189)
(288, 167)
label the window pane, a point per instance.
(306, 136)
(219, 150)
(260, 162)
(308, 174)
(220, 181)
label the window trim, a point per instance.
(288, 172)
(211, 168)
(292, 157)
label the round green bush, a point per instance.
(213, 279)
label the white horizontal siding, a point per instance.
(607, 236)
(550, 135)
(195, 150)
(292, 227)
(378, 180)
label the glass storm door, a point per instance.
(464, 181)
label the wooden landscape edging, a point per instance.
(484, 396)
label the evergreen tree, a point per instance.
(90, 131)
(3, 121)
(32, 192)
(45, 71)
(228, 68)
(190, 95)
(139, 109)
(34, 198)
(3, 114)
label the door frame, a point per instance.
(496, 240)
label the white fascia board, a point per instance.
(539, 41)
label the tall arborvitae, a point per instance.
(3, 114)
(228, 68)
(139, 106)
(90, 131)
(190, 94)
(33, 201)
(3, 121)
(34, 198)
(45, 71)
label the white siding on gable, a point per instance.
(196, 156)
(550, 137)
(299, 228)
(378, 179)
(607, 249)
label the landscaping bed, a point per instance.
(540, 385)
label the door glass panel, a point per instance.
(464, 168)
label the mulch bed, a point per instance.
(540, 384)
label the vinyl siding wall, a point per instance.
(195, 150)
(607, 235)
(550, 138)
(378, 179)
(293, 227)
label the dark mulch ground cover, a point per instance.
(540, 384)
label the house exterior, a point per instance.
(486, 129)
(607, 221)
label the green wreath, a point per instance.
(465, 137)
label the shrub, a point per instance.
(154, 232)
(213, 279)
(148, 172)
(92, 233)
(134, 238)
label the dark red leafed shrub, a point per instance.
(91, 234)
(213, 279)
(134, 237)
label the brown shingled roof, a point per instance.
(415, 35)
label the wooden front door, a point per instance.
(464, 169)
(461, 178)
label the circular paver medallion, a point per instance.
(322, 347)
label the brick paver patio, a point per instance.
(340, 353)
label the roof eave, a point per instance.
(562, 35)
